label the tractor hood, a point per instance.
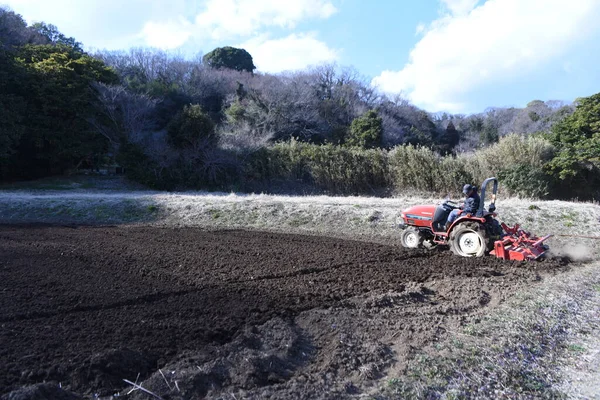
(423, 213)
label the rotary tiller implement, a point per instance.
(470, 235)
(519, 245)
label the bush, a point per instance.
(366, 131)
(516, 161)
(511, 150)
(140, 168)
(526, 181)
(330, 168)
(334, 169)
(235, 112)
(414, 168)
(192, 128)
(422, 169)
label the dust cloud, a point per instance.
(575, 252)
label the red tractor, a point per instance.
(470, 235)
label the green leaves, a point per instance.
(366, 131)
(192, 128)
(53, 35)
(577, 138)
(526, 180)
(231, 58)
(49, 97)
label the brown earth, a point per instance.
(189, 313)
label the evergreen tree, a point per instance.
(366, 131)
(231, 58)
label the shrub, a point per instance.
(366, 131)
(420, 168)
(235, 112)
(511, 150)
(526, 181)
(334, 169)
(139, 167)
(330, 168)
(516, 161)
(413, 168)
(192, 128)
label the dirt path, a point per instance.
(89, 307)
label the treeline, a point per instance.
(46, 97)
(212, 122)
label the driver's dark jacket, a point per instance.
(472, 203)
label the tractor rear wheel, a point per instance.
(469, 239)
(411, 238)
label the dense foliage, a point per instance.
(211, 122)
(366, 131)
(230, 57)
(46, 97)
(191, 128)
(577, 163)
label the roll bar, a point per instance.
(484, 186)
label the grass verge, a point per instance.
(521, 350)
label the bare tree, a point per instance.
(122, 114)
(15, 32)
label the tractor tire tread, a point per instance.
(412, 230)
(473, 226)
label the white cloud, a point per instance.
(460, 7)
(420, 28)
(167, 35)
(492, 43)
(294, 52)
(112, 24)
(229, 18)
(119, 24)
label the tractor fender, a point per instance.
(466, 218)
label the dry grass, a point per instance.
(522, 350)
(357, 217)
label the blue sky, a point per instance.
(460, 56)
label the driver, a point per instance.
(470, 206)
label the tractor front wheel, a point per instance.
(469, 239)
(411, 238)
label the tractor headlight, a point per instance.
(400, 221)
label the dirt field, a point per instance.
(189, 313)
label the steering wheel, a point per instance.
(452, 204)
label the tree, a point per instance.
(122, 116)
(422, 130)
(56, 88)
(448, 139)
(489, 134)
(191, 128)
(12, 109)
(231, 58)
(577, 138)
(15, 32)
(53, 35)
(366, 131)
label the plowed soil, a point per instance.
(257, 314)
